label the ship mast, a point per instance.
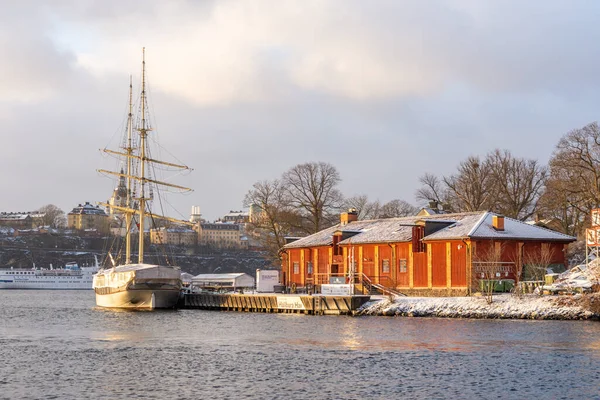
(143, 134)
(140, 159)
(129, 149)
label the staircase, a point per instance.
(368, 287)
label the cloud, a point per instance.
(225, 52)
(242, 91)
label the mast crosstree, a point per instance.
(137, 162)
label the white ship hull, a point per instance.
(74, 278)
(140, 286)
(139, 299)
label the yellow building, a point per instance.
(86, 217)
(221, 235)
(173, 236)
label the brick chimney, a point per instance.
(498, 222)
(350, 216)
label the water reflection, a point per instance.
(223, 355)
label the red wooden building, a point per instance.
(420, 255)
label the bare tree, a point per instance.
(432, 189)
(312, 189)
(518, 183)
(573, 187)
(487, 266)
(558, 204)
(397, 208)
(500, 182)
(274, 220)
(52, 216)
(472, 187)
(366, 209)
(536, 265)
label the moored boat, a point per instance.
(71, 277)
(138, 285)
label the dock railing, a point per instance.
(363, 284)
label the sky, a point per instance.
(241, 91)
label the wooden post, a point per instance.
(411, 272)
(330, 263)
(448, 265)
(316, 268)
(394, 266)
(429, 266)
(360, 260)
(376, 258)
(471, 249)
(302, 269)
(289, 267)
(345, 259)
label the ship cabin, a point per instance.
(431, 255)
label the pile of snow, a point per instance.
(503, 306)
(580, 278)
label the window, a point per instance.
(385, 266)
(309, 267)
(403, 265)
(296, 267)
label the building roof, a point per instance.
(471, 225)
(237, 214)
(87, 209)
(232, 275)
(20, 215)
(173, 230)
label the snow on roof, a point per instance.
(228, 276)
(513, 229)
(386, 230)
(475, 225)
(389, 231)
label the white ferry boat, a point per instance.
(71, 277)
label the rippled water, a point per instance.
(57, 344)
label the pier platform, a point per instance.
(315, 304)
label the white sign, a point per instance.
(266, 280)
(290, 303)
(337, 289)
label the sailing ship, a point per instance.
(138, 285)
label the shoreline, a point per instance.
(504, 306)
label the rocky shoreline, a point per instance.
(579, 307)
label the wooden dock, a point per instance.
(275, 303)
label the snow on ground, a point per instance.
(503, 306)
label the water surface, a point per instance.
(57, 344)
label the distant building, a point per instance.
(255, 213)
(119, 196)
(237, 217)
(221, 235)
(196, 216)
(232, 281)
(21, 219)
(432, 209)
(88, 217)
(548, 223)
(173, 236)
